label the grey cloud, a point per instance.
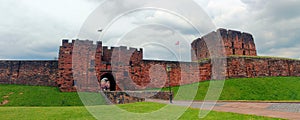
(274, 9)
(158, 42)
(274, 24)
(33, 29)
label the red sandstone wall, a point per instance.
(294, 68)
(41, 73)
(261, 67)
(235, 43)
(133, 73)
(125, 64)
(78, 68)
(123, 60)
(199, 50)
(82, 64)
(153, 74)
(65, 74)
(237, 67)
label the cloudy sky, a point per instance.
(33, 29)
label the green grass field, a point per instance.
(18, 95)
(36, 102)
(264, 89)
(190, 113)
(80, 113)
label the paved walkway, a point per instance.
(277, 110)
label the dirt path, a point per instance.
(277, 110)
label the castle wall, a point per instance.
(125, 64)
(122, 60)
(83, 63)
(243, 67)
(235, 43)
(65, 74)
(78, 66)
(147, 74)
(153, 74)
(40, 73)
(131, 72)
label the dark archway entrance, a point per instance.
(111, 79)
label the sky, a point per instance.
(33, 29)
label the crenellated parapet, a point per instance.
(238, 43)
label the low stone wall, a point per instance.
(135, 96)
(41, 73)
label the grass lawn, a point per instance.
(264, 89)
(18, 95)
(109, 112)
(36, 102)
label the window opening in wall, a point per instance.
(92, 63)
(233, 51)
(74, 83)
(244, 52)
(243, 45)
(232, 44)
(126, 74)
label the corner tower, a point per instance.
(235, 43)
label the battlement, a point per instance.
(70, 43)
(233, 34)
(122, 48)
(87, 42)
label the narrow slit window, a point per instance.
(92, 64)
(233, 51)
(74, 83)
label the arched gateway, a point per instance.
(110, 78)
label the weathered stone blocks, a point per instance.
(234, 43)
(41, 73)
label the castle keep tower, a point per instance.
(235, 43)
